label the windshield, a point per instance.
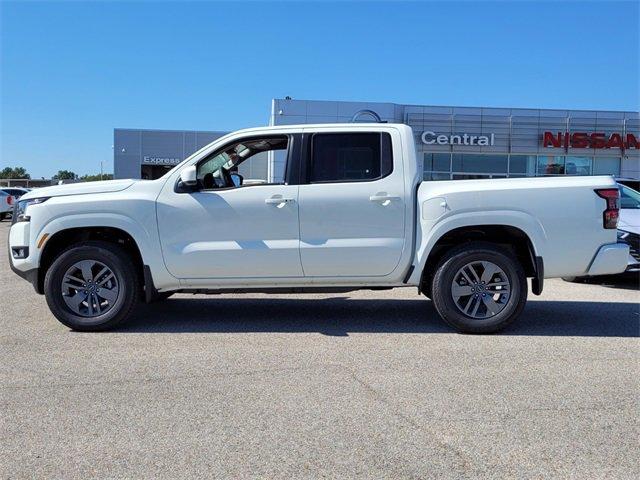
(194, 154)
(629, 198)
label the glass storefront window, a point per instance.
(458, 166)
(442, 162)
(437, 166)
(578, 165)
(522, 165)
(550, 165)
(464, 162)
(437, 162)
(606, 166)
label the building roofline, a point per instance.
(222, 132)
(463, 106)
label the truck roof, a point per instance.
(357, 125)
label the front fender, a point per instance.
(429, 232)
(143, 234)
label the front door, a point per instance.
(224, 230)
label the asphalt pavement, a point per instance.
(364, 385)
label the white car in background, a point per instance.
(629, 225)
(6, 205)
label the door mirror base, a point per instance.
(188, 176)
(188, 180)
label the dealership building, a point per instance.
(452, 142)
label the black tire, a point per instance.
(3, 216)
(123, 269)
(441, 289)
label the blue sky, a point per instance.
(73, 71)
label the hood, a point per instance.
(79, 188)
(629, 220)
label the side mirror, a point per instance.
(237, 179)
(188, 176)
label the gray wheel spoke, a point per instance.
(101, 273)
(491, 305)
(85, 268)
(74, 301)
(105, 279)
(461, 290)
(74, 279)
(475, 307)
(469, 304)
(490, 270)
(109, 295)
(470, 271)
(97, 300)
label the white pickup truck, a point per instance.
(346, 209)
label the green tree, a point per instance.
(93, 178)
(15, 172)
(65, 175)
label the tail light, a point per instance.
(10, 200)
(612, 212)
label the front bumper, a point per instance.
(30, 276)
(26, 268)
(611, 259)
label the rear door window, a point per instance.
(350, 157)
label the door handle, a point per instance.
(382, 198)
(278, 200)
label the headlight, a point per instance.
(21, 207)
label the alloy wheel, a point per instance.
(89, 288)
(480, 289)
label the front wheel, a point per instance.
(479, 288)
(92, 286)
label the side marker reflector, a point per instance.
(43, 239)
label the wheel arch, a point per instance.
(525, 237)
(61, 240)
(61, 235)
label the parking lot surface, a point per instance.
(369, 384)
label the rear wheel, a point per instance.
(92, 286)
(479, 288)
(3, 216)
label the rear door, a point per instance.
(352, 204)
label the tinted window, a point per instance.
(629, 198)
(345, 157)
(437, 162)
(606, 166)
(479, 163)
